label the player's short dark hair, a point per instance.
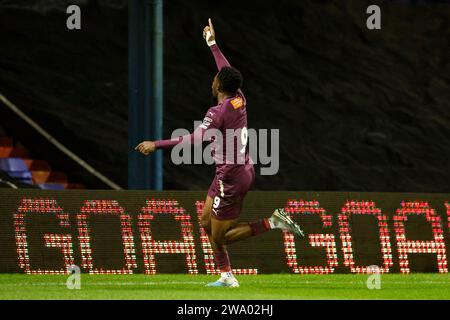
(230, 79)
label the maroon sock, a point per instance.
(223, 261)
(260, 226)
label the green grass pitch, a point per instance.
(191, 287)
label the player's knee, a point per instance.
(219, 238)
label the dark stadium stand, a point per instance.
(17, 169)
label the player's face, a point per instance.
(215, 87)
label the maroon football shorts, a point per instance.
(229, 190)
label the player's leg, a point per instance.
(206, 215)
(279, 220)
(220, 253)
(219, 229)
(208, 205)
(206, 220)
(222, 209)
(224, 232)
(242, 231)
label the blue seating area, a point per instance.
(13, 164)
(51, 186)
(16, 168)
(22, 176)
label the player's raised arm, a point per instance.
(210, 36)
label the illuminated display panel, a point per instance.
(150, 246)
(407, 246)
(32, 207)
(44, 232)
(447, 206)
(105, 207)
(326, 241)
(350, 209)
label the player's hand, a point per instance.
(146, 147)
(209, 34)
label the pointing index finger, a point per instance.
(211, 25)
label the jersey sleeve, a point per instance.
(212, 120)
(220, 59)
